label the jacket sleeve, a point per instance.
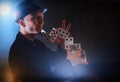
(61, 67)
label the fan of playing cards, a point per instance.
(62, 33)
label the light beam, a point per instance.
(4, 9)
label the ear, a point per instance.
(21, 22)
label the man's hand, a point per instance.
(76, 57)
(65, 27)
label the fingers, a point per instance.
(68, 27)
(63, 24)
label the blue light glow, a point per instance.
(8, 28)
(4, 9)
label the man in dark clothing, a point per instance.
(35, 61)
(29, 59)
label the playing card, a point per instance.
(75, 47)
(53, 34)
(63, 33)
(69, 40)
(67, 46)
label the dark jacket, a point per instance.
(32, 60)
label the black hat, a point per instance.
(25, 8)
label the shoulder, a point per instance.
(16, 45)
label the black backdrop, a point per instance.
(95, 24)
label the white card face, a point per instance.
(69, 40)
(62, 33)
(67, 46)
(75, 47)
(53, 34)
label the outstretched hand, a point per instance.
(65, 27)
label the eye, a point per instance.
(35, 17)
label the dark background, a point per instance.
(95, 24)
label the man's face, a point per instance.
(33, 23)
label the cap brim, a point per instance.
(44, 11)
